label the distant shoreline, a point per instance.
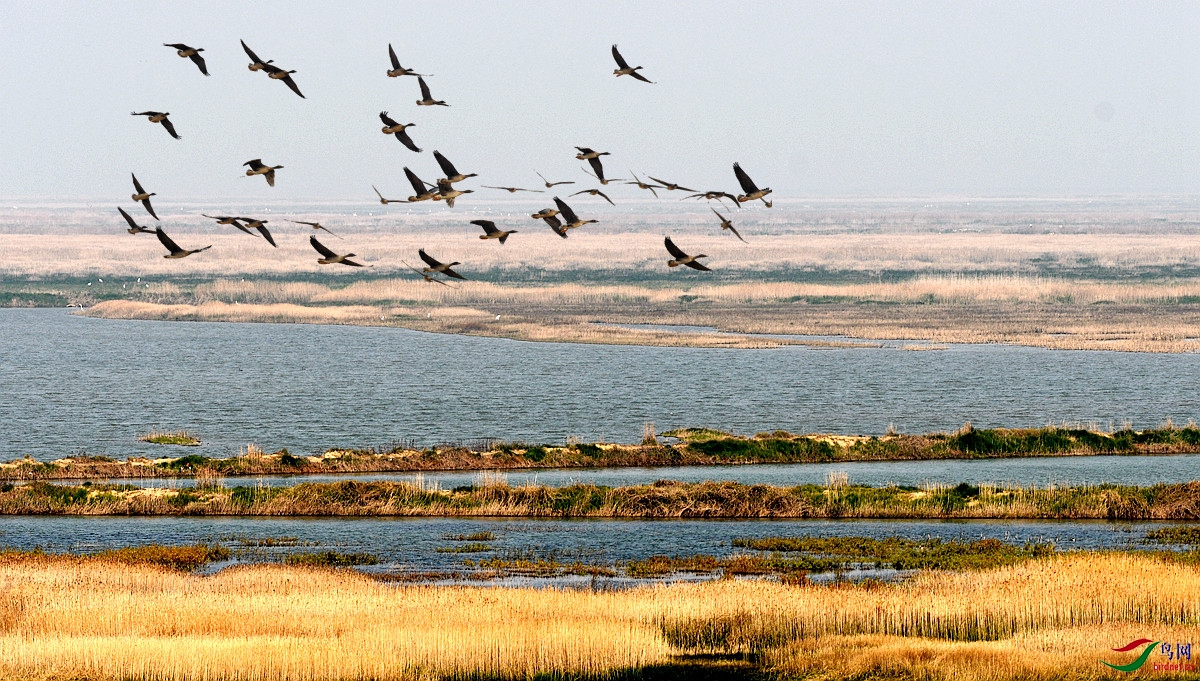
(693, 447)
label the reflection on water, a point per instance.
(73, 383)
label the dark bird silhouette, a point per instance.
(261, 226)
(134, 228)
(383, 200)
(230, 220)
(544, 213)
(670, 186)
(748, 186)
(593, 157)
(570, 220)
(314, 225)
(427, 277)
(726, 223)
(398, 70)
(594, 192)
(256, 64)
(555, 224)
(426, 98)
(423, 192)
(276, 73)
(681, 258)
(446, 192)
(643, 185)
(258, 168)
(158, 117)
(328, 257)
(391, 127)
(709, 196)
(514, 190)
(452, 175)
(141, 195)
(490, 231)
(192, 53)
(623, 68)
(175, 250)
(551, 185)
(435, 266)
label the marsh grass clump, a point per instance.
(190, 463)
(903, 554)
(472, 547)
(330, 559)
(1186, 535)
(483, 535)
(179, 437)
(180, 558)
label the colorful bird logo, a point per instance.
(1141, 659)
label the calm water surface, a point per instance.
(71, 384)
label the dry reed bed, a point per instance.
(660, 500)
(66, 618)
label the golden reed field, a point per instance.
(76, 618)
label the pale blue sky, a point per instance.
(814, 99)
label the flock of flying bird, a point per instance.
(560, 219)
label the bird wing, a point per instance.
(642, 78)
(270, 175)
(597, 167)
(566, 210)
(735, 233)
(600, 193)
(129, 219)
(137, 185)
(407, 141)
(321, 248)
(697, 266)
(378, 194)
(266, 234)
(487, 225)
(387, 120)
(166, 241)
(585, 150)
(149, 208)
(556, 225)
(722, 218)
(351, 263)
(424, 88)
(447, 166)
(392, 56)
(451, 273)
(292, 84)
(673, 249)
(178, 46)
(166, 123)
(744, 179)
(199, 61)
(254, 163)
(250, 53)
(418, 185)
(620, 60)
(314, 225)
(429, 260)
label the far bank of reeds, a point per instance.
(664, 499)
(693, 447)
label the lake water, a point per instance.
(71, 384)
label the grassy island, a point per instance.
(687, 447)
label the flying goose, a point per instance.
(397, 69)
(141, 195)
(435, 266)
(726, 223)
(256, 64)
(709, 196)
(391, 127)
(426, 98)
(446, 192)
(491, 232)
(643, 185)
(452, 175)
(670, 186)
(190, 52)
(427, 277)
(551, 185)
(383, 200)
(570, 220)
(258, 168)
(555, 224)
(593, 157)
(276, 73)
(260, 225)
(624, 70)
(514, 190)
(544, 213)
(752, 192)
(314, 225)
(229, 220)
(329, 257)
(175, 250)
(158, 117)
(681, 258)
(134, 228)
(420, 187)
(594, 192)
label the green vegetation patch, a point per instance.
(331, 559)
(903, 554)
(473, 547)
(1185, 535)
(179, 437)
